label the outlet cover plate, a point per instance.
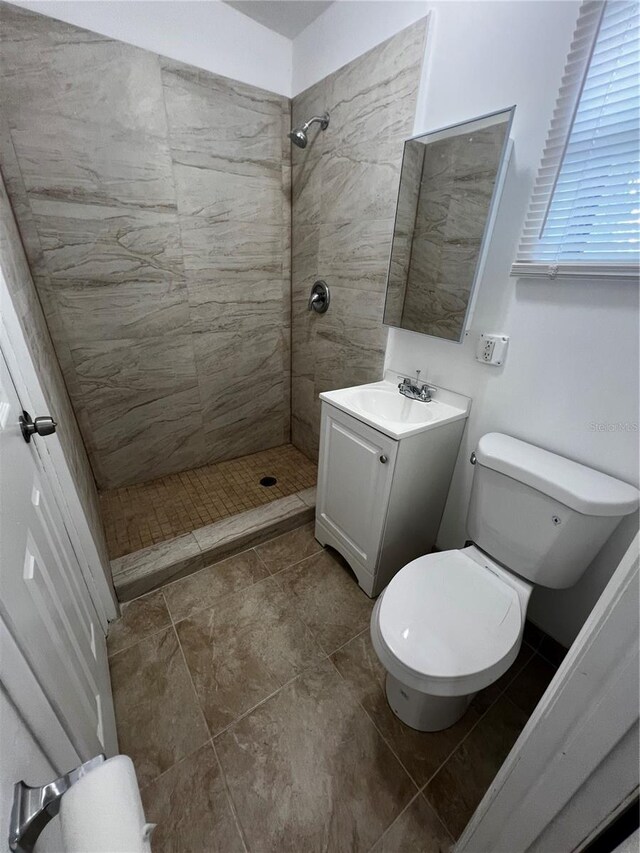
(492, 349)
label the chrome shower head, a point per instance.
(298, 137)
(299, 134)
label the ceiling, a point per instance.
(287, 17)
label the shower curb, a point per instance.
(153, 567)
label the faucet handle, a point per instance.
(426, 393)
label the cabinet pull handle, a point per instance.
(383, 459)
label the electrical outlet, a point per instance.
(492, 349)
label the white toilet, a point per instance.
(451, 623)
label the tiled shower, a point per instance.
(345, 185)
(158, 231)
(173, 238)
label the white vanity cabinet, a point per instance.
(355, 477)
(380, 499)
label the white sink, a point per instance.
(388, 404)
(381, 405)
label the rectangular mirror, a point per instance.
(449, 187)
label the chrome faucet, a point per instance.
(417, 391)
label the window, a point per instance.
(584, 215)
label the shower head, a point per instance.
(298, 137)
(299, 134)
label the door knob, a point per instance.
(383, 459)
(44, 425)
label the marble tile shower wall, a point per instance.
(16, 273)
(345, 185)
(153, 201)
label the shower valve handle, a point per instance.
(319, 297)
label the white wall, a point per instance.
(210, 35)
(573, 358)
(346, 30)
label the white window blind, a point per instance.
(584, 215)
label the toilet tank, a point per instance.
(542, 516)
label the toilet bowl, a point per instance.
(451, 623)
(448, 625)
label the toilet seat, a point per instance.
(450, 623)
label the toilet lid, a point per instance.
(443, 615)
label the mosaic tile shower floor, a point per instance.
(146, 513)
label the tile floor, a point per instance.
(252, 704)
(146, 513)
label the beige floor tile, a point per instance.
(290, 548)
(552, 651)
(307, 770)
(204, 588)
(485, 698)
(157, 713)
(460, 785)
(190, 805)
(527, 689)
(533, 635)
(139, 619)
(422, 753)
(243, 648)
(417, 830)
(328, 598)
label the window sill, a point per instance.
(607, 272)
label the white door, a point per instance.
(43, 597)
(354, 482)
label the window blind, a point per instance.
(584, 213)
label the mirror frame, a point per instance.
(505, 157)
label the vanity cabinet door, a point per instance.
(354, 482)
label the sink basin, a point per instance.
(381, 405)
(388, 404)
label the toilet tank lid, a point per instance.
(581, 488)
